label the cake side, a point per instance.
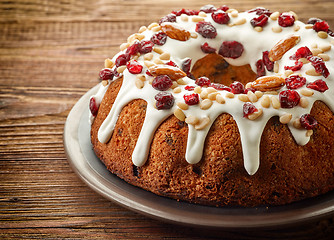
(288, 171)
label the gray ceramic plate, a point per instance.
(84, 162)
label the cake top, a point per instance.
(291, 60)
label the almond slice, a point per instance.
(174, 31)
(268, 83)
(284, 45)
(174, 73)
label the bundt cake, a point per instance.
(220, 107)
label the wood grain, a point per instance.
(50, 54)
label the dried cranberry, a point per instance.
(248, 109)
(330, 33)
(298, 65)
(224, 8)
(220, 87)
(121, 60)
(189, 88)
(319, 65)
(237, 87)
(106, 74)
(146, 47)
(260, 21)
(289, 98)
(188, 12)
(302, 52)
(266, 61)
(231, 49)
(168, 18)
(313, 20)
(159, 38)
(260, 11)
(206, 29)
(295, 81)
(171, 63)
(208, 8)
(191, 99)
(93, 107)
(162, 82)
(148, 73)
(318, 85)
(249, 89)
(186, 65)
(203, 81)
(134, 67)
(308, 122)
(133, 49)
(207, 49)
(321, 26)
(286, 19)
(164, 100)
(260, 71)
(220, 17)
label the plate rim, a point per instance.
(102, 186)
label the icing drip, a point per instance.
(250, 131)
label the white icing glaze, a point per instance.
(250, 131)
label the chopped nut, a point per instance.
(158, 50)
(177, 90)
(156, 29)
(312, 72)
(124, 46)
(322, 34)
(220, 99)
(193, 35)
(181, 81)
(316, 51)
(184, 17)
(197, 19)
(203, 123)
(179, 114)
(148, 56)
(152, 25)
(251, 96)
(255, 115)
(141, 77)
(309, 133)
(149, 64)
(198, 90)
(258, 29)
(104, 83)
(296, 28)
(142, 29)
(258, 94)
(243, 98)
(234, 13)
(202, 14)
(165, 56)
(108, 63)
(306, 92)
(265, 102)
(204, 94)
(308, 26)
(205, 104)
(229, 95)
(193, 120)
(286, 118)
(325, 48)
(211, 90)
(276, 67)
(287, 73)
(274, 16)
(324, 56)
(212, 96)
(121, 69)
(182, 105)
(296, 123)
(275, 102)
(139, 84)
(276, 29)
(174, 85)
(158, 61)
(303, 102)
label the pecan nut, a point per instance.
(268, 83)
(174, 73)
(284, 45)
(174, 31)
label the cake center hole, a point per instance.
(218, 70)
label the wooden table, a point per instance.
(50, 54)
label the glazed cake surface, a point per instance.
(220, 108)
